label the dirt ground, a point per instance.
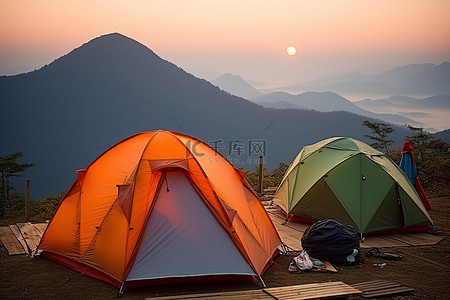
(426, 269)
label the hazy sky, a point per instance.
(243, 37)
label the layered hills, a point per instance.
(70, 111)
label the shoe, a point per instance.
(375, 252)
(293, 267)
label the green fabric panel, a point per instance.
(321, 203)
(375, 188)
(343, 144)
(405, 184)
(366, 149)
(282, 196)
(413, 215)
(305, 176)
(304, 153)
(389, 214)
(308, 150)
(345, 182)
(292, 180)
(361, 198)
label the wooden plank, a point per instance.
(31, 235)
(41, 227)
(313, 291)
(362, 286)
(379, 288)
(388, 291)
(10, 241)
(329, 267)
(277, 216)
(381, 241)
(375, 285)
(250, 295)
(416, 239)
(15, 230)
(290, 233)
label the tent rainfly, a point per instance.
(349, 181)
(161, 205)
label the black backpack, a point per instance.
(332, 241)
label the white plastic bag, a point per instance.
(303, 261)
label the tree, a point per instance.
(420, 140)
(379, 135)
(9, 167)
(271, 179)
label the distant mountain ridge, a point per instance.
(414, 79)
(325, 102)
(67, 113)
(437, 102)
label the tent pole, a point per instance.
(262, 281)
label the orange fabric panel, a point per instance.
(227, 183)
(125, 199)
(107, 250)
(158, 164)
(259, 257)
(99, 188)
(145, 187)
(164, 145)
(268, 235)
(62, 233)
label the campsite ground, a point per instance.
(426, 269)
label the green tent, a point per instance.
(349, 181)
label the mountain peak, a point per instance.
(115, 39)
(111, 52)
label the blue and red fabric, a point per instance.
(408, 165)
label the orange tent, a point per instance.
(161, 205)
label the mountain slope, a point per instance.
(235, 85)
(67, 113)
(431, 81)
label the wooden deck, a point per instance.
(323, 290)
(244, 295)
(22, 238)
(291, 234)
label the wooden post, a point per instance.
(261, 168)
(27, 200)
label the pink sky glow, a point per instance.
(248, 38)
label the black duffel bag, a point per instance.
(332, 241)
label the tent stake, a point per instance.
(121, 290)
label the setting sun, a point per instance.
(291, 51)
